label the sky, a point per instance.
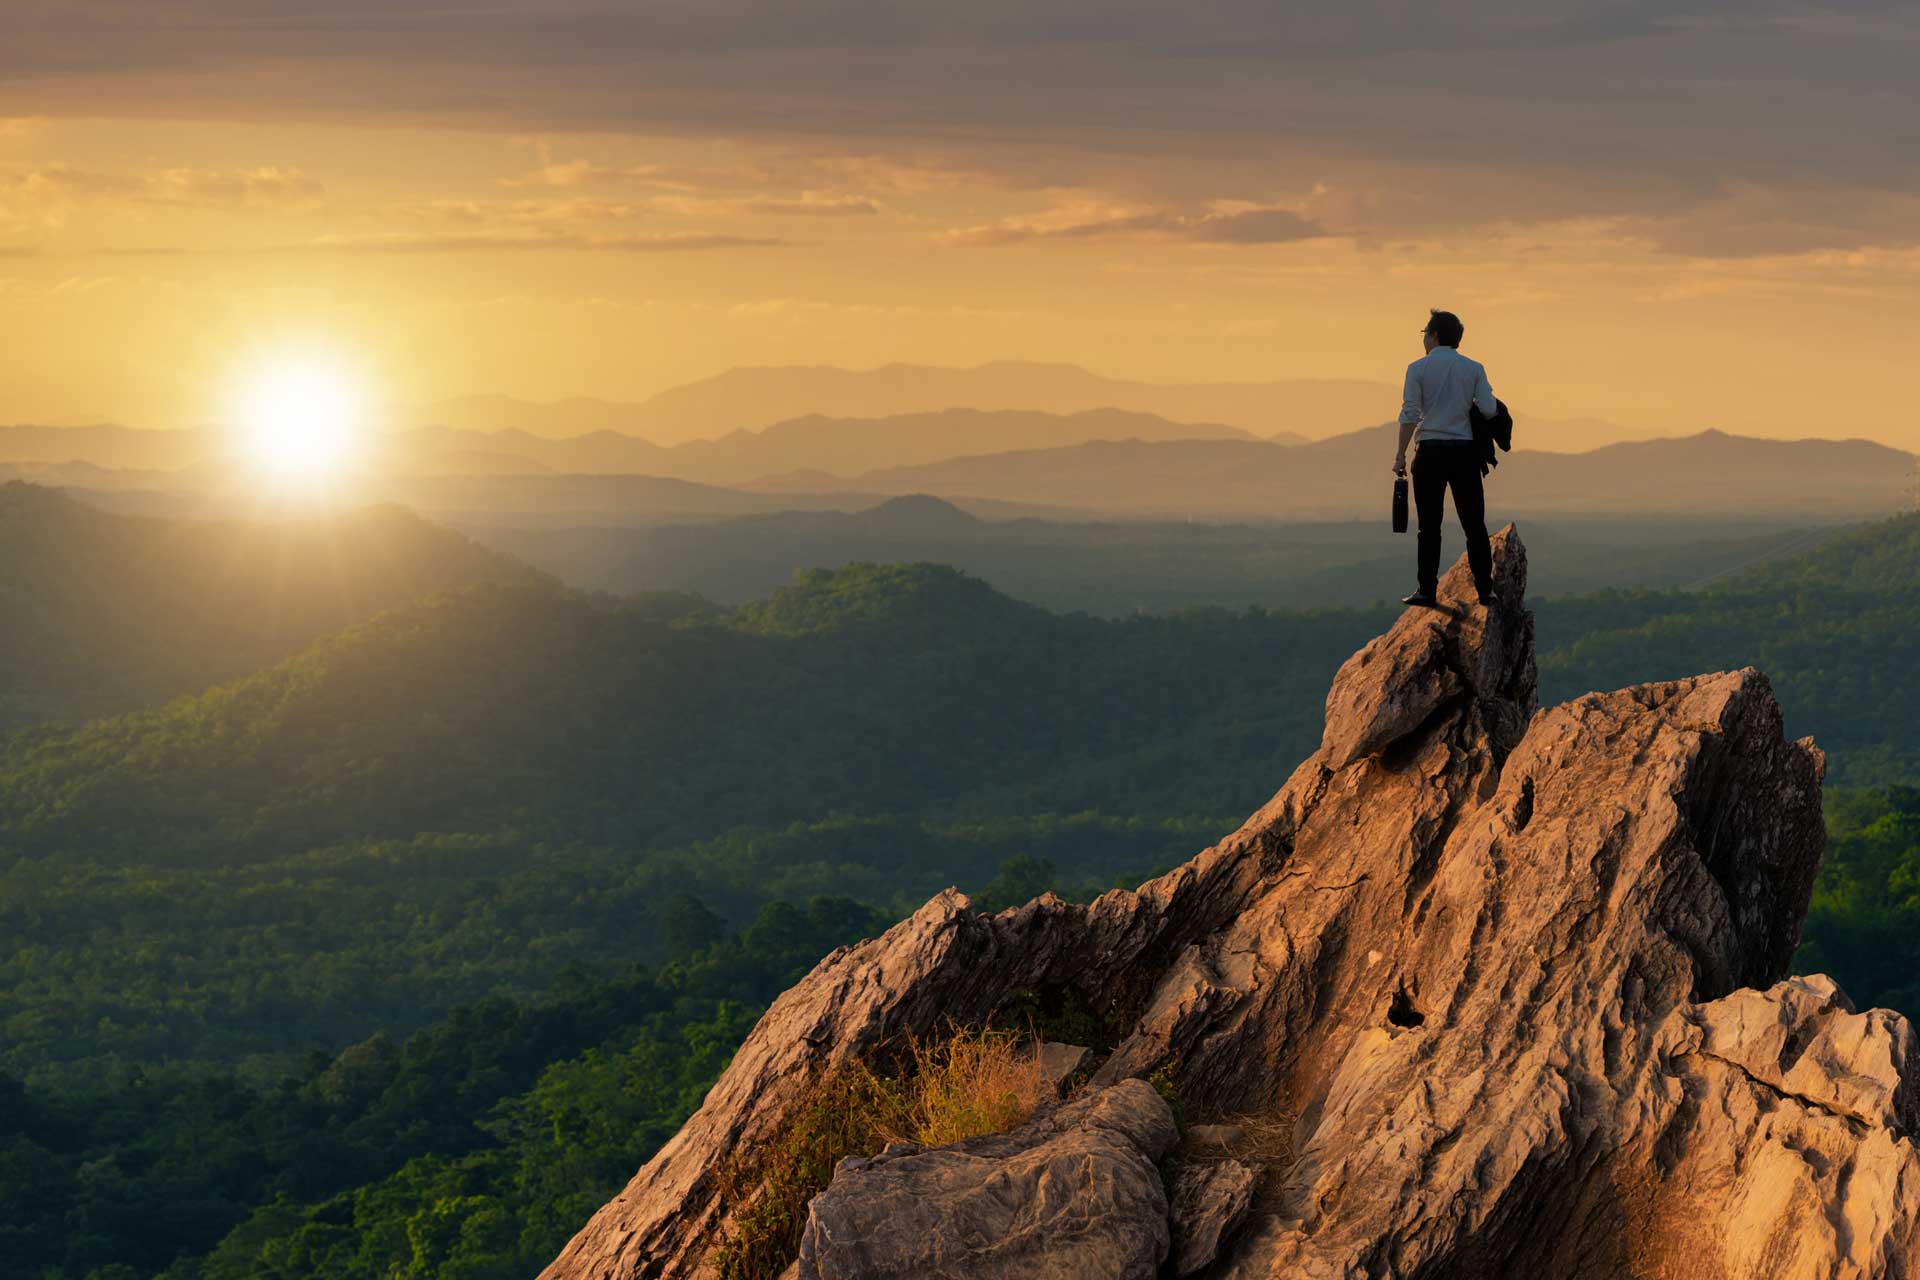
(1672, 216)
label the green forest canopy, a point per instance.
(512, 789)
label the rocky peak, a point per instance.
(1510, 980)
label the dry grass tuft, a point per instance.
(973, 1083)
(768, 1193)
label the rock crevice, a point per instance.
(1511, 978)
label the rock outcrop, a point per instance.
(1511, 980)
(1209, 1201)
(1074, 1191)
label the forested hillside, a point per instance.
(327, 972)
(464, 795)
(469, 1149)
(1837, 630)
(1120, 568)
(105, 613)
(558, 717)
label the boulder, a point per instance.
(1059, 1062)
(1209, 1201)
(1516, 975)
(1071, 1193)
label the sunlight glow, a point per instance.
(302, 419)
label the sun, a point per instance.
(301, 419)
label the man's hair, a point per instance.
(1446, 328)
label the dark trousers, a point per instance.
(1437, 467)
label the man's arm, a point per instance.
(1483, 396)
(1410, 410)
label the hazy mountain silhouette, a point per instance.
(429, 451)
(1711, 473)
(108, 446)
(86, 475)
(1119, 568)
(574, 416)
(753, 397)
(561, 500)
(1104, 462)
(108, 612)
(814, 442)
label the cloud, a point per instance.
(1742, 220)
(62, 182)
(809, 308)
(268, 185)
(743, 188)
(1240, 226)
(672, 177)
(638, 242)
(1455, 117)
(82, 284)
(815, 204)
(1254, 226)
(261, 186)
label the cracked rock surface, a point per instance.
(1209, 1201)
(1514, 976)
(1073, 1192)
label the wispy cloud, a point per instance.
(268, 185)
(1241, 226)
(63, 182)
(457, 242)
(676, 177)
(271, 185)
(814, 204)
(765, 189)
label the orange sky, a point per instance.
(1672, 219)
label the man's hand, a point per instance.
(1400, 464)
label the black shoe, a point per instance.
(1421, 599)
(1489, 598)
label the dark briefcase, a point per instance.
(1400, 505)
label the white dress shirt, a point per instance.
(1440, 386)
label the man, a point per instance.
(1433, 411)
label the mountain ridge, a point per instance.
(109, 612)
(757, 396)
(1189, 472)
(1486, 966)
(1708, 472)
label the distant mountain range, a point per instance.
(120, 448)
(747, 399)
(814, 443)
(1711, 473)
(1116, 568)
(1093, 463)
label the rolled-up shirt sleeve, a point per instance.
(1410, 406)
(1483, 396)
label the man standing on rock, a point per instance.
(1441, 386)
